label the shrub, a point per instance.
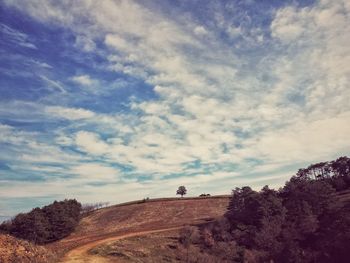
(188, 235)
(47, 224)
(305, 221)
(207, 238)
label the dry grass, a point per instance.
(154, 214)
(13, 250)
(158, 247)
(161, 247)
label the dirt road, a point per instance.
(80, 254)
(136, 219)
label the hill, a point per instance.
(145, 231)
(127, 232)
(307, 219)
(137, 218)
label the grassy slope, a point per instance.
(136, 216)
(159, 247)
(154, 214)
(155, 247)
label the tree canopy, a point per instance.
(47, 224)
(181, 191)
(307, 220)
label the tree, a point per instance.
(47, 224)
(256, 218)
(181, 191)
(308, 220)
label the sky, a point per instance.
(122, 100)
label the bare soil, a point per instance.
(136, 219)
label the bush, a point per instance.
(305, 221)
(207, 238)
(189, 235)
(47, 224)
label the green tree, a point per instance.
(257, 218)
(47, 224)
(181, 191)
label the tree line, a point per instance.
(88, 208)
(305, 221)
(46, 224)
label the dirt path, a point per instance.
(80, 254)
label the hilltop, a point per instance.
(139, 216)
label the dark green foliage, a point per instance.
(47, 224)
(302, 222)
(181, 191)
(337, 173)
(307, 220)
(332, 241)
(256, 218)
(33, 226)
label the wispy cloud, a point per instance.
(15, 36)
(234, 99)
(69, 113)
(54, 84)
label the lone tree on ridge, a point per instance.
(181, 191)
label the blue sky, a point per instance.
(120, 100)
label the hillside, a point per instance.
(130, 219)
(127, 232)
(144, 232)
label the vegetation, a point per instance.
(47, 224)
(88, 208)
(13, 250)
(308, 220)
(181, 191)
(302, 222)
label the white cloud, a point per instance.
(95, 171)
(200, 31)
(69, 113)
(90, 143)
(287, 104)
(286, 26)
(313, 141)
(207, 121)
(85, 43)
(25, 147)
(84, 80)
(40, 64)
(233, 31)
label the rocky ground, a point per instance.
(13, 250)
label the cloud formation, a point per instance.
(235, 98)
